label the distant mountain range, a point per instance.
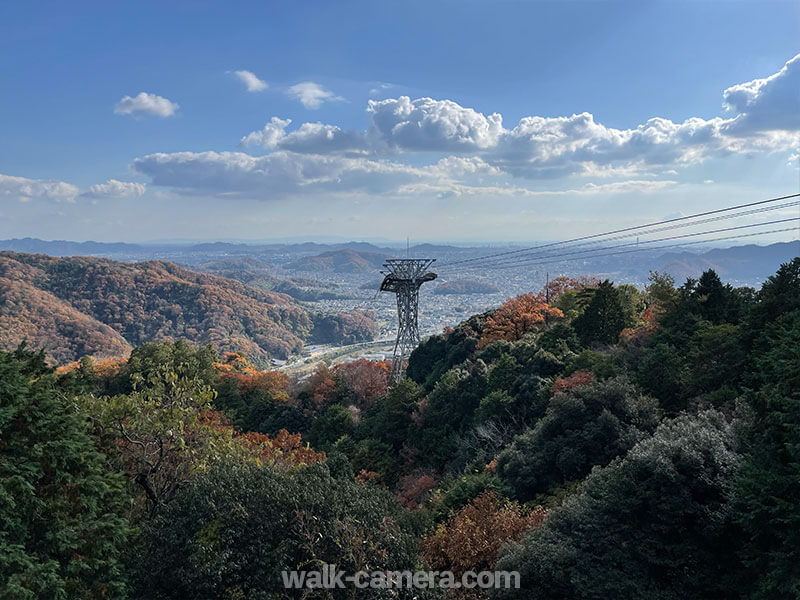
(111, 249)
(749, 263)
(346, 260)
(83, 305)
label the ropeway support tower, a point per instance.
(403, 277)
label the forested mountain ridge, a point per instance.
(81, 305)
(601, 440)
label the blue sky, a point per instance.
(469, 120)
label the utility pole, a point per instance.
(403, 277)
(547, 288)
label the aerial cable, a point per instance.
(616, 231)
(561, 258)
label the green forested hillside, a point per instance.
(612, 443)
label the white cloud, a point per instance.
(459, 166)
(312, 95)
(768, 104)
(268, 137)
(473, 153)
(114, 188)
(625, 187)
(24, 189)
(432, 125)
(146, 104)
(380, 88)
(454, 189)
(274, 175)
(592, 169)
(253, 83)
(309, 138)
(767, 119)
(323, 139)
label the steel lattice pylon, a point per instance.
(403, 276)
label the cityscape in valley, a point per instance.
(420, 300)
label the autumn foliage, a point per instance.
(644, 331)
(234, 362)
(471, 539)
(285, 449)
(369, 380)
(414, 488)
(321, 385)
(565, 384)
(274, 382)
(517, 317)
(556, 287)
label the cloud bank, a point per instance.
(473, 152)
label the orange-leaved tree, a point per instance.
(471, 539)
(284, 450)
(578, 378)
(517, 317)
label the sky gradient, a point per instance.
(448, 121)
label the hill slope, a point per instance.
(465, 286)
(339, 261)
(74, 306)
(256, 273)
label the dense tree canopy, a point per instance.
(658, 430)
(654, 524)
(62, 523)
(232, 531)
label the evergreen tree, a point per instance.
(61, 523)
(655, 524)
(603, 318)
(767, 494)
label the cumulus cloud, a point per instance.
(24, 189)
(309, 138)
(312, 95)
(114, 188)
(433, 125)
(768, 104)
(249, 79)
(766, 118)
(268, 137)
(146, 104)
(474, 153)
